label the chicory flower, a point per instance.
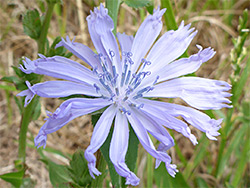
(124, 83)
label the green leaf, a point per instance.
(59, 175)
(150, 7)
(79, 169)
(15, 178)
(61, 51)
(32, 24)
(7, 88)
(137, 3)
(18, 72)
(10, 79)
(163, 179)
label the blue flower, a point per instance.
(124, 82)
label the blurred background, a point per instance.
(217, 24)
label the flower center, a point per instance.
(123, 90)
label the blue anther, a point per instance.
(129, 90)
(95, 71)
(111, 53)
(140, 106)
(138, 96)
(129, 54)
(143, 90)
(156, 80)
(124, 74)
(128, 77)
(101, 76)
(117, 91)
(137, 83)
(97, 88)
(106, 86)
(124, 53)
(111, 97)
(125, 98)
(114, 70)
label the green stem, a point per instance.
(42, 39)
(28, 111)
(169, 15)
(26, 117)
(113, 8)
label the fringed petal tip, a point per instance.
(204, 54)
(132, 179)
(40, 139)
(28, 66)
(29, 93)
(172, 169)
(64, 42)
(102, 12)
(158, 13)
(93, 170)
(212, 130)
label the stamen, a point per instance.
(128, 77)
(156, 80)
(138, 96)
(117, 91)
(123, 74)
(97, 88)
(106, 86)
(140, 106)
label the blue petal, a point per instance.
(185, 66)
(154, 128)
(170, 46)
(100, 27)
(100, 133)
(145, 37)
(60, 67)
(125, 41)
(146, 142)
(118, 149)
(29, 93)
(167, 119)
(54, 89)
(194, 117)
(81, 51)
(200, 93)
(179, 67)
(67, 111)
